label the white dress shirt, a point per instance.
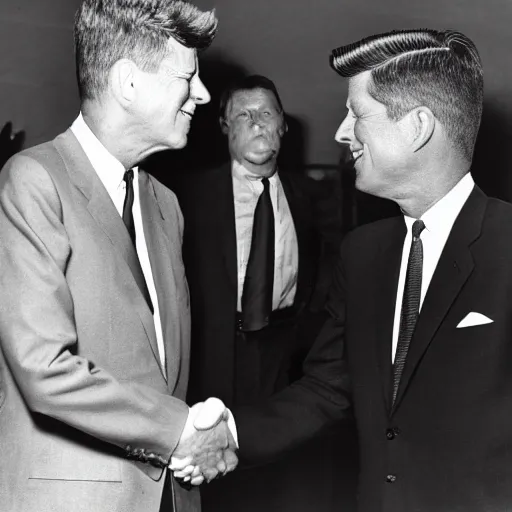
(439, 220)
(247, 189)
(111, 172)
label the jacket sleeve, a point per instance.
(38, 334)
(320, 398)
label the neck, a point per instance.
(427, 194)
(429, 180)
(264, 170)
(115, 135)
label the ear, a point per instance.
(224, 128)
(123, 81)
(284, 127)
(423, 123)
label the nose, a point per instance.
(198, 91)
(345, 132)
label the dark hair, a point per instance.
(440, 70)
(247, 83)
(109, 30)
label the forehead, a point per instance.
(180, 57)
(358, 90)
(253, 98)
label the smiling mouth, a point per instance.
(185, 113)
(356, 155)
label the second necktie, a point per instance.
(259, 277)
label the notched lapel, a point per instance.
(453, 270)
(162, 268)
(226, 209)
(301, 225)
(387, 274)
(103, 211)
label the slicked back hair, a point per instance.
(139, 30)
(440, 70)
(247, 83)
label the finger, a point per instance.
(221, 466)
(210, 473)
(211, 414)
(178, 463)
(197, 480)
(184, 472)
(196, 472)
(230, 459)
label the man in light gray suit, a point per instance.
(94, 314)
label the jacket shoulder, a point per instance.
(372, 232)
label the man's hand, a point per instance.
(206, 448)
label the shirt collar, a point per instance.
(242, 174)
(109, 169)
(440, 217)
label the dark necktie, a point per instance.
(128, 204)
(130, 226)
(410, 303)
(259, 277)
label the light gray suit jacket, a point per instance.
(82, 393)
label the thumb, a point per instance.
(210, 415)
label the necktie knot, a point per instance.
(128, 176)
(417, 228)
(265, 183)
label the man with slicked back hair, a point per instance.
(94, 315)
(419, 339)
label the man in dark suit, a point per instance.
(421, 312)
(94, 315)
(236, 355)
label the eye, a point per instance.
(267, 113)
(242, 114)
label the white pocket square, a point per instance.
(473, 318)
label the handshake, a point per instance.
(207, 447)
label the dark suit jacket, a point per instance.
(81, 388)
(446, 444)
(210, 255)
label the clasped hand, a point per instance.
(206, 448)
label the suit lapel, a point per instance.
(301, 227)
(387, 274)
(225, 208)
(102, 209)
(162, 268)
(453, 269)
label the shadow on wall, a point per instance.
(492, 159)
(10, 143)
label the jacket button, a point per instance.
(391, 433)
(391, 479)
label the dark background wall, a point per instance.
(288, 40)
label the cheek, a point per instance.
(359, 132)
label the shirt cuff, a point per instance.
(232, 427)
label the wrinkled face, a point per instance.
(378, 144)
(169, 98)
(254, 125)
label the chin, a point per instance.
(178, 143)
(261, 158)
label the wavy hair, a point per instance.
(440, 70)
(108, 30)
